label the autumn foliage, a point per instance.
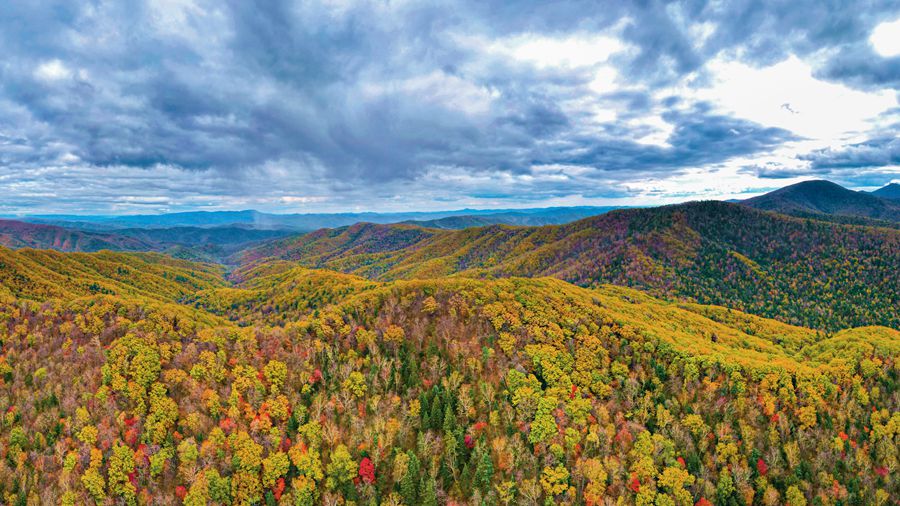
(291, 386)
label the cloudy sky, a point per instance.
(163, 105)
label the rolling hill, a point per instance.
(824, 198)
(306, 386)
(45, 274)
(803, 271)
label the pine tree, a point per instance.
(429, 496)
(484, 472)
(409, 489)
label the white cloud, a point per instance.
(786, 95)
(53, 70)
(885, 39)
(575, 51)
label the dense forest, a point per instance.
(138, 379)
(802, 271)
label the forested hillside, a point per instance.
(297, 386)
(17, 234)
(44, 274)
(801, 271)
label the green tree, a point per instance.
(484, 472)
(409, 484)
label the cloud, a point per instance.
(885, 39)
(329, 104)
(53, 70)
(881, 152)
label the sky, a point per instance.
(324, 106)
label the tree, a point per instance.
(795, 497)
(429, 495)
(121, 466)
(593, 471)
(198, 494)
(409, 484)
(341, 469)
(92, 479)
(246, 488)
(355, 384)
(555, 480)
(544, 425)
(274, 466)
(484, 472)
(393, 334)
(275, 372)
(366, 471)
(674, 479)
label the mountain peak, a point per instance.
(822, 197)
(890, 191)
(816, 185)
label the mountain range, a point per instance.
(308, 222)
(711, 252)
(765, 255)
(198, 243)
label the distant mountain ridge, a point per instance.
(312, 221)
(207, 244)
(548, 216)
(826, 198)
(18, 234)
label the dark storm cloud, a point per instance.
(334, 97)
(861, 67)
(774, 171)
(878, 152)
(699, 138)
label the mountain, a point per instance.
(891, 192)
(306, 222)
(212, 244)
(802, 271)
(294, 386)
(812, 198)
(40, 275)
(231, 236)
(17, 234)
(549, 216)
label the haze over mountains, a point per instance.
(312, 221)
